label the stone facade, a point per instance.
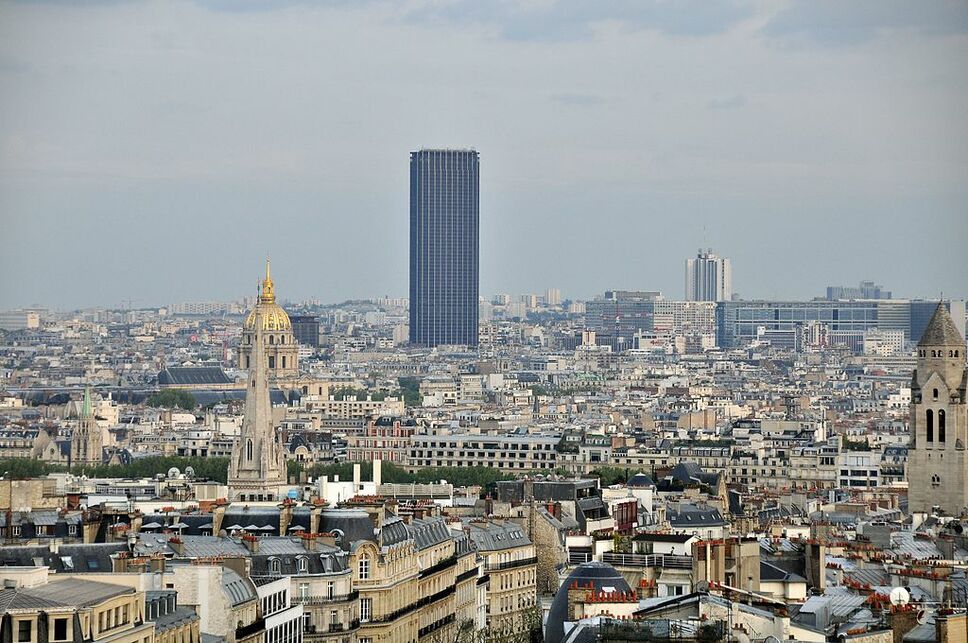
(938, 460)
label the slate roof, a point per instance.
(600, 575)
(692, 516)
(193, 375)
(941, 330)
(769, 572)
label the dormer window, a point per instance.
(274, 566)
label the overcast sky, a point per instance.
(158, 151)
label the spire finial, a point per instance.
(268, 296)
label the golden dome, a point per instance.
(273, 316)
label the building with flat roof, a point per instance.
(444, 223)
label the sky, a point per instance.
(156, 152)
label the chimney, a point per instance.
(356, 477)
(251, 543)
(324, 488)
(309, 541)
(377, 473)
(177, 545)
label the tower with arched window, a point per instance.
(282, 351)
(258, 467)
(938, 460)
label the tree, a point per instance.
(410, 387)
(171, 398)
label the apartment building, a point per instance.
(511, 563)
(517, 451)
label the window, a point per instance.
(366, 609)
(272, 361)
(935, 394)
(302, 565)
(15, 530)
(330, 590)
(364, 567)
(25, 631)
(71, 530)
(248, 449)
(60, 629)
(273, 565)
(941, 425)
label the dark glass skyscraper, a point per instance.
(444, 218)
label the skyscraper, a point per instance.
(708, 277)
(444, 222)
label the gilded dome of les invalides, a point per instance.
(274, 318)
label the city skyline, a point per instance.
(813, 144)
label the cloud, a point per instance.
(565, 20)
(839, 23)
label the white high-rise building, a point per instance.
(709, 277)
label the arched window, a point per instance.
(929, 416)
(305, 390)
(271, 339)
(935, 480)
(248, 448)
(247, 361)
(284, 361)
(935, 394)
(274, 566)
(302, 564)
(282, 339)
(941, 427)
(272, 361)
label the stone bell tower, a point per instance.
(938, 459)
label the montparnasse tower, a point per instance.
(282, 351)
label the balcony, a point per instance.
(665, 561)
(324, 600)
(511, 564)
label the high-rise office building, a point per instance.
(708, 277)
(444, 223)
(866, 290)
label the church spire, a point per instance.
(941, 330)
(268, 294)
(87, 409)
(257, 469)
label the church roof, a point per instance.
(941, 330)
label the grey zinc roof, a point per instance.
(79, 592)
(238, 589)
(493, 536)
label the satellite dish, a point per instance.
(900, 596)
(173, 473)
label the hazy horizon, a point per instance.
(158, 151)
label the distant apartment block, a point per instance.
(709, 277)
(866, 290)
(19, 320)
